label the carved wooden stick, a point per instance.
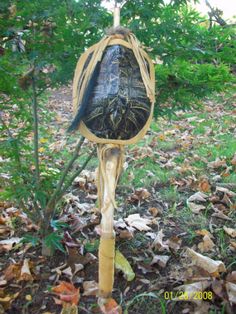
(108, 174)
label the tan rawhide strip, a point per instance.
(102, 175)
(81, 79)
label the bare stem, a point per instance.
(36, 132)
(70, 181)
(64, 174)
(59, 192)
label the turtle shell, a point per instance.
(118, 106)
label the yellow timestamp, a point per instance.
(183, 295)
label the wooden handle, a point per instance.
(116, 16)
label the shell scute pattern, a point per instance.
(118, 107)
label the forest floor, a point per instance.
(175, 223)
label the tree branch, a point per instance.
(68, 184)
(35, 129)
(63, 176)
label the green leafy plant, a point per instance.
(40, 43)
(53, 241)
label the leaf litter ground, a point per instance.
(175, 224)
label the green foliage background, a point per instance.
(192, 61)
(196, 60)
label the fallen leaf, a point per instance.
(155, 211)
(67, 292)
(231, 232)
(207, 244)
(190, 291)
(3, 282)
(206, 263)
(28, 297)
(161, 260)
(139, 195)
(12, 271)
(7, 245)
(110, 307)
(204, 185)
(174, 243)
(121, 263)
(233, 245)
(233, 161)
(6, 300)
(68, 308)
(195, 208)
(231, 277)
(25, 273)
(217, 163)
(231, 291)
(219, 214)
(90, 288)
(218, 287)
(41, 149)
(68, 272)
(225, 190)
(204, 232)
(43, 140)
(198, 196)
(139, 223)
(158, 242)
(126, 234)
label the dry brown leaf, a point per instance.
(158, 242)
(25, 273)
(211, 266)
(219, 214)
(68, 272)
(139, 223)
(161, 260)
(207, 244)
(225, 190)
(233, 245)
(90, 288)
(204, 232)
(226, 200)
(67, 292)
(204, 185)
(155, 211)
(139, 195)
(90, 176)
(12, 271)
(198, 197)
(202, 308)
(126, 234)
(230, 231)
(233, 161)
(218, 287)
(174, 243)
(195, 208)
(231, 277)
(217, 163)
(110, 307)
(6, 300)
(68, 308)
(7, 245)
(231, 291)
(190, 291)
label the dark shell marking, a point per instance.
(118, 107)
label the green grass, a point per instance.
(146, 173)
(139, 241)
(150, 303)
(170, 195)
(166, 145)
(225, 147)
